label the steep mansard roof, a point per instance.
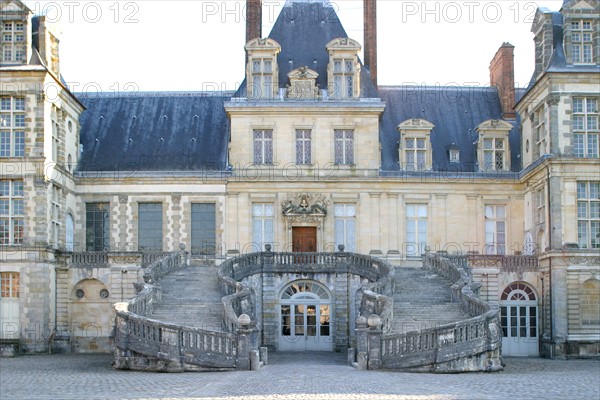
(154, 132)
(455, 112)
(303, 30)
(113, 139)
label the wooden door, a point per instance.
(304, 239)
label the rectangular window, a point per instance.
(150, 223)
(9, 285)
(262, 225)
(343, 78)
(345, 226)
(344, 147)
(416, 229)
(12, 212)
(415, 154)
(540, 206)
(303, 147)
(588, 215)
(262, 78)
(12, 122)
(97, 225)
(585, 127)
(495, 229)
(263, 147)
(581, 42)
(12, 39)
(204, 228)
(55, 217)
(494, 154)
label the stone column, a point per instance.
(361, 343)
(341, 299)
(374, 341)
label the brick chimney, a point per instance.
(502, 75)
(370, 43)
(253, 19)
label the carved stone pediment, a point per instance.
(305, 205)
(303, 84)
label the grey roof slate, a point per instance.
(455, 112)
(154, 132)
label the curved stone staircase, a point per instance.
(430, 318)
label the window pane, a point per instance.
(150, 226)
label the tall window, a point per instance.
(344, 147)
(97, 226)
(343, 75)
(415, 154)
(345, 226)
(204, 228)
(262, 225)
(540, 132)
(12, 41)
(150, 232)
(263, 147)
(494, 154)
(303, 146)
(588, 215)
(495, 230)
(582, 42)
(416, 229)
(540, 206)
(589, 302)
(12, 126)
(55, 215)
(9, 305)
(11, 212)
(585, 127)
(262, 78)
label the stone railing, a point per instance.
(505, 263)
(164, 265)
(142, 343)
(468, 345)
(375, 296)
(89, 258)
(103, 258)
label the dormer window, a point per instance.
(344, 69)
(12, 41)
(581, 41)
(262, 72)
(493, 148)
(343, 77)
(415, 145)
(454, 153)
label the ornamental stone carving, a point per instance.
(305, 207)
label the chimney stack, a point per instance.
(502, 75)
(370, 43)
(253, 19)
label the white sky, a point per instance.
(154, 45)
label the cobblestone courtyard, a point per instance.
(302, 376)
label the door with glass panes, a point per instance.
(519, 320)
(305, 318)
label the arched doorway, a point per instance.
(305, 317)
(519, 320)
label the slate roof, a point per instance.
(154, 132)
(189, 132)
(455, 112)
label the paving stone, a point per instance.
(293, 376)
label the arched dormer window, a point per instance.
(415, 145)
(343, 71)
(493, 150)
(262, 71)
